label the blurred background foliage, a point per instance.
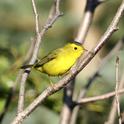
(17, 27)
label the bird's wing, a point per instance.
(47, 58)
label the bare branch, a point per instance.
(36, 17)
(113, 109)
(95, 74)
(80, 64)
(112, 28)
(91, 5)
(53, 15)
(112, 113)
(30, 52)
(113, 52)
(20, 78)
(83, 91)
(83, 61)
(68, 103)
(105, 96)
(116, 89)
(98, 98)
(38, 39)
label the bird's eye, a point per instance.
(75, 48)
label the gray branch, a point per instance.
(80, 64)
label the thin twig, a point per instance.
(36, 17)
(53, 15)
(33, 59)
(112, 113)
(98, 98)
(80, 64)
(108, 95)
(20, 78)
(38, 39)
(116, 90)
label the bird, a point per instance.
(59, 61)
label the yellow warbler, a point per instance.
(59, 61)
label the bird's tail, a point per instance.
(26, 66)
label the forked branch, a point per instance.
(82, 62)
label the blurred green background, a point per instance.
(17, 27)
